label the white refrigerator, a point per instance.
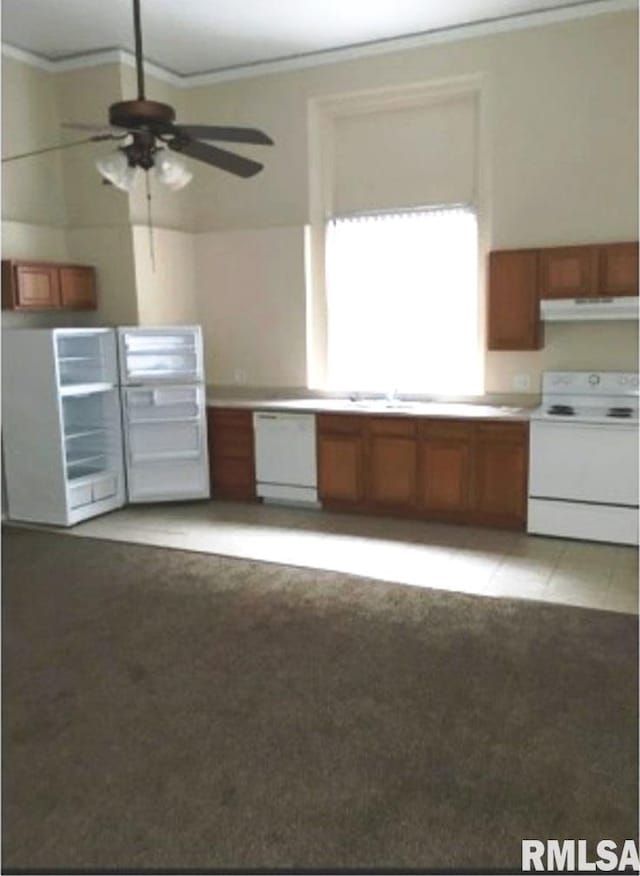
(163, 413)
(93, 418)
(61, 424)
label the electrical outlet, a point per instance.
(521, 382)
(240, 376)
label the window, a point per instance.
(402, 302)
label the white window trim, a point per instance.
(321, 115)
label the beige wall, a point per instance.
(83, 98)
(32, 188)
(165, 268)
(557, 152)
(111, 251)
(250, 285)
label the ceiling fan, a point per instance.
(148, 130)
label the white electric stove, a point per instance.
(583, 457)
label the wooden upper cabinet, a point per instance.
(47, 286)
(569, 272)
(618, 269)
(445, 465)
(27, 286)
(78, 287)
(513, 315)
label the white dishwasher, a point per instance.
(285, 447)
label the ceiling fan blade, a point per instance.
(236, 164)
(94, 139)
(221, 132)
(98, 129)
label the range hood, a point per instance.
(579, 309)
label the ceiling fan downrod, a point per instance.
(140, 113)
(137, 32)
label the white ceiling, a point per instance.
(197, 36)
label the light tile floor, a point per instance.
(467, 559)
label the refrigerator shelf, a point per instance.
(167, 455)
(162, 351)
(84, 388)
(89, 475)
(160, 374)
(81, 432)
(73, 459)
(159, 421)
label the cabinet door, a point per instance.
(618, 269)
(445, 466)
(392, 461)
(500, 472)
(392, 471)
(35, 287)
(340, 467)
(569, 272)
(231, 454)
(513, 317)
(78, 287)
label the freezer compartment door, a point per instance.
(166, 443)
(168, 481)
(160, 354)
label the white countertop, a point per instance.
(375, 406)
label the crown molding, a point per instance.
(580, 9)
(93, 59)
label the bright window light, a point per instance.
(402, 302)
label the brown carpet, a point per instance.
(172, 710)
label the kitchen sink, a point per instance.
(379, 404)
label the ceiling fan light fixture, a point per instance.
(171, 170)
(115, 168)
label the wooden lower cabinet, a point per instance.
(392, 462)
(452, 470)
(340, 469)
(340, 450)
(500, 472)
(445, 466)
(231, 453)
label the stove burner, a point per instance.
(561, 410)
(619, 412)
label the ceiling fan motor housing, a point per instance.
(145, 114)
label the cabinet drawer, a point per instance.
(402, 427)
(446, 429)
(227, 417)
(502, 431)
(345, 424)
